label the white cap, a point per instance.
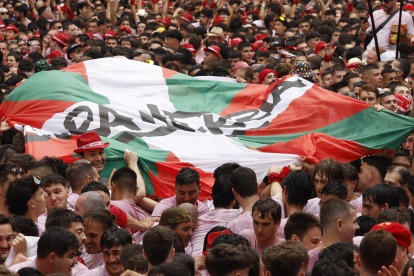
(388, 56)
(258, 23)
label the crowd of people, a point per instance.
(325, 219)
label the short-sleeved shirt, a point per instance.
(92, 260)
(242, 222)
(206, 222)
(313, 207)
(31, 249)
(172, 202)
(251, 237)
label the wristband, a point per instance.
(212, 5)
(296, 2)
(327, 58)
(204, 3)
(274, 177)
(263, 5)
(284, 172)
(349, 7)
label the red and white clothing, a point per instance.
(251, 237)
(92, 260)
(131, 209)
(172, 202)
(206, 222)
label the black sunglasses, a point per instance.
(3, 13)
(15, 171)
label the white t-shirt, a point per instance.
(31, 249)
(92, 260)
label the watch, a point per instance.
(405, 34)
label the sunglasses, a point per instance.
(15, 171)
(11, 41)
(3, 13)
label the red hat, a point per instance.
(12, 27)
(255, 46)
(403, 103)
(90, 35)
(264, 73)
(62, 39)
(263, 49)
(189, 47)
(165, 21)
(291, 47)
(320, 46)
(11, 38)
(353, 65)
(218, 19)
(241, 64)
(187, 17)
(37, 35)
(259, 38)
(109, 34)
(2, 25)
(400, 233)
(211, 237)
(123, 28)
(215, 49)
(235, 41)
(89, 141)
(408, 7)
(169, 4)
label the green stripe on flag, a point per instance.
(379, 133)
(58, 86)
(190, 95)
(146, 161)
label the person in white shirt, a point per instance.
(56, 253)
(112, 243)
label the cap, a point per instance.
(71, 48)
(174, 215)
(2, 25)
(276, 42)
(12, 27)
(123, 28)
(217, 20)
(408, 7)
(216, 31)
(291, 47)
(109, 34)
(187, 17)
(388, 56)
(320, 46)
(400, 233)
(37, 35)
(40, 65)
(211, 237)
(255, 46)
(303, 69)
(235, 41)
(165, 21)
(241, 64)
(62, 39)
(258, 23)
(54, 54)
(189, 47)
(90, 36)
(262, 49)
(215, 49)
(264, 73)
(259, 38)
(247, 26)
(89, 141)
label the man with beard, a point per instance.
(6, 237)
(20, 13)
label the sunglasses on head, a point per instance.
(15, 171)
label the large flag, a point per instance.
(172, 120)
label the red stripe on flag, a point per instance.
(167, 73)
(167, 172)
(23, 110)
(53, 146)
(311, 111)
(77, 68)
(316, 146)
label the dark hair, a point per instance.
(77, 174)
(56, 240)
(158, 242)
(52, 179)
(334, 209)
(178, 242)
(174, 34)
(24, 225)
(115, 237)
(59, 165)
(330, 168)
(95, 186)
(335, 188)
(25, 65)
(234, 54)
(340, 251)
(299, 188)
(125, 179)
(102, 216)
(225, 258)
(186, 260)
(381, 163)
(222, 192)
(299, 224)
(403, 196)
(27, 271)
(232, 239)
(254, 269)
(133, 259)
(45, 166)
(268, 207)
(325, 267)
(62, 217)
(20, 191)
(244, 182)
(3, 171)
(22, 9)
(187, 176)
(394, 215)
(170, 269)
(405, 153)
(405, 175)
(243, 45)
(350, 172)
(404, 65)
(381, 194)
(365, 224)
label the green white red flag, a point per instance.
(172, 120)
